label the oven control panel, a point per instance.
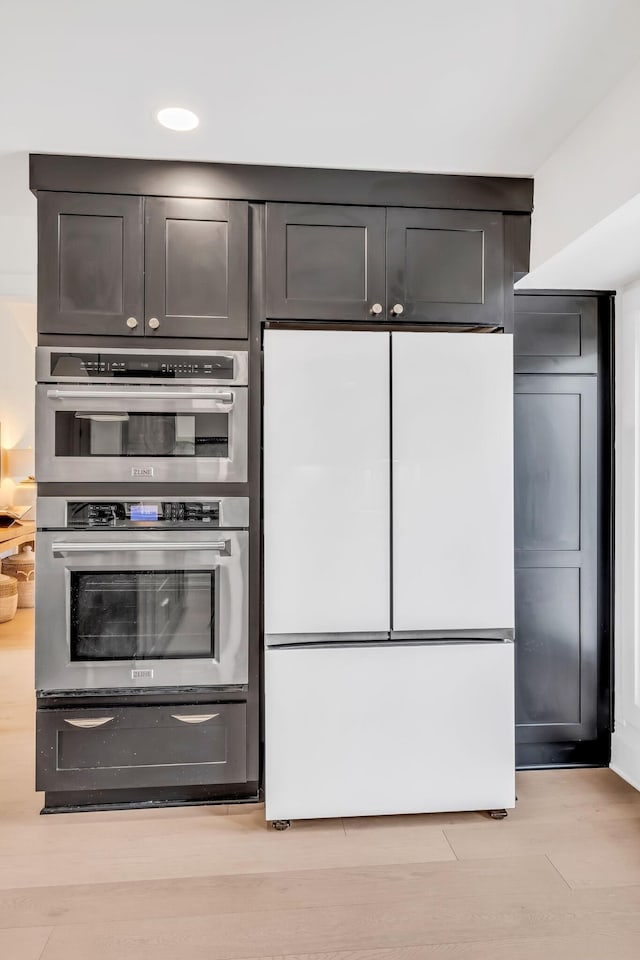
(157, 365)
(133, 514)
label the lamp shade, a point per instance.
(20, 462)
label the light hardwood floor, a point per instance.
(558, 880)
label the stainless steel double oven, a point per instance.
(141, 589)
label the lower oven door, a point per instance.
(123, 433)
(147, 609)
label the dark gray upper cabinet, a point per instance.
(363, 263)
(90, 264)
(122, 265)
(196, 268)
(555, 334)
(325, 262)
(445, 266)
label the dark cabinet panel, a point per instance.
(556, 533)
(445, 266)
(555, 334)
(547, 468)
(325, 262)
(107, 748)
(196, 268)
(549, 646)
(90, 264)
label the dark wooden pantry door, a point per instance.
(562, 492)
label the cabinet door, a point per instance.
(446, 266)
(452, 482)
(326, 482)
(325, 262)
(196, 268)
(555, 334)
(90, 266)
(556, 510)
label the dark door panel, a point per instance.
(196, 263)
(325, 262)
(445, 266)
(90, 267)
(549, 647)
(556, 334)
(556, 532)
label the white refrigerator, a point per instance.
(388, 566)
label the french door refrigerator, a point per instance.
(388, 564)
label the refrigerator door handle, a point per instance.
(497, 634)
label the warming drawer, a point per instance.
(106, 748)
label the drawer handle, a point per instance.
(88, 724)
(194, 717)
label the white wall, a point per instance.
(17, 378)
(18, 238)
(594, 172)
(626, 738)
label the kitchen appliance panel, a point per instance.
(388, 729)
(452, 421)
(100, 364)
(326, 482)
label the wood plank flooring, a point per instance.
(558, 880)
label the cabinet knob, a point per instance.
(376, 309)
(154, 323)
(397, 309)
(132, 323)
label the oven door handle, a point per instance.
(63, 546)
(170, 394)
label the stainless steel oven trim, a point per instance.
(239, 357)
(54, 669)
(95, 399)
(233, 511)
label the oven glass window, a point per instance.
(86, 434)
(142, 614)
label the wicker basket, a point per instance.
(8, 598)
(21, 566)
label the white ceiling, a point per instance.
(479, 86)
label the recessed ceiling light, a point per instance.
(177, 118)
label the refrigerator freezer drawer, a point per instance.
(388, 729)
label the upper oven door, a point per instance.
(128, 432)
(141, 608)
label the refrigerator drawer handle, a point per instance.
(169, 394)
(217, 546)
(88, 724)
(194, 717)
